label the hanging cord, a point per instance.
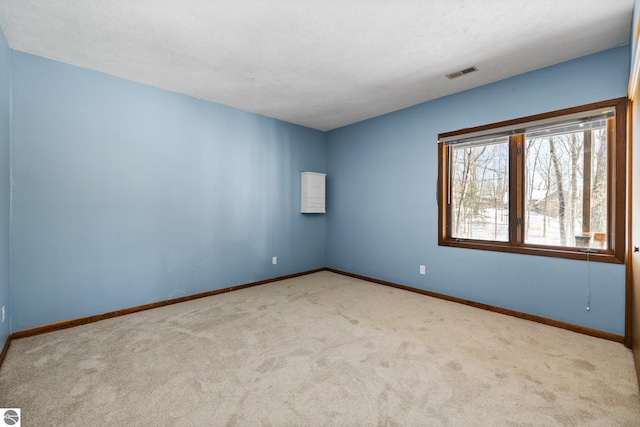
(588, 251)
(588, 280)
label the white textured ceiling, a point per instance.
(322, 64)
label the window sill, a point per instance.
(567, 253)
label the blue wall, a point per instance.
(632, 38)
(382, 210)
(125, 194)
(5, 196)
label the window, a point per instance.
(551, 184)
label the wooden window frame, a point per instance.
(616, 191)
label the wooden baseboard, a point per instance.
(513, 313)
(5, 348)
(65, 324)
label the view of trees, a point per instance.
(565, 187)
(479, 190)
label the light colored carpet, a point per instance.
(319, 350)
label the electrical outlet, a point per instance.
(423, 270)
(274, 260)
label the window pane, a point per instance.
(479, 188)
(566, 186)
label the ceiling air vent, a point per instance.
(462, 72)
